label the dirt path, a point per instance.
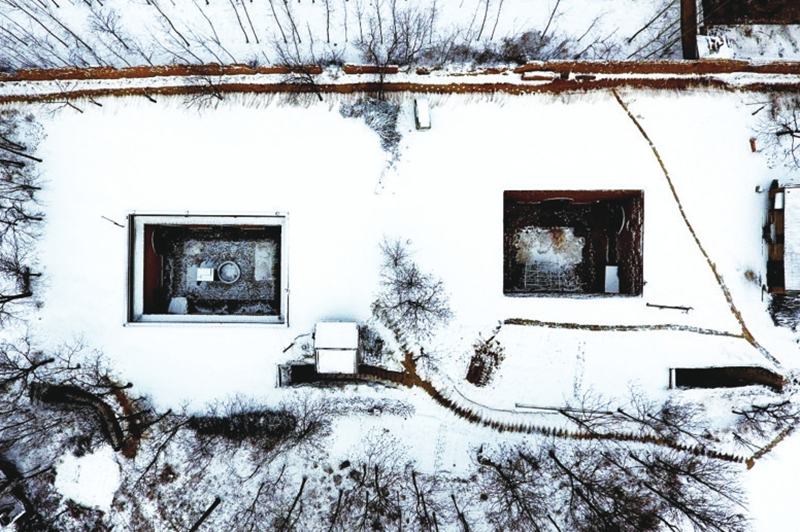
(476, 414)
(546, 77)
(746, 334)
(666, 67)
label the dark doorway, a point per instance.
(727, 377)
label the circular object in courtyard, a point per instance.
(228, 272)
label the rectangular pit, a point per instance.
(568, 242)
(225, 269)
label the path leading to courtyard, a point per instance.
(512, 421)
(728, 297)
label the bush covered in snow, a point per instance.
(488, 355)
(380, 116)
(263, 425)
(785, 310)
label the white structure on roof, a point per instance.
(612, 280)
(789, 200)
(336, 347)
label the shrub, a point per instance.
(380, 116)
(263, 424)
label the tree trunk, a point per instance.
(689, 28)
(205, 514)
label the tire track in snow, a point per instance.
(620, 328)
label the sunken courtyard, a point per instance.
(206, 268)
(573, 242)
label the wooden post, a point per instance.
(689, 28)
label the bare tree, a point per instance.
(515, 490)
(22, 425)
(106, 23)
(303, 63)
(695, 490)
(214, 37)
(371, 494)
(400, 41)
(303, 68)
(288, 519)
(408, 298)
(660, 34)
(254, 516)
(207, 92)
(778, 130)
(426, 501)
(591, 412)
(599, 495)
(20, 217)
(766, 418)
(607, 486)
(672, 421)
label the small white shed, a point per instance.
(336, 347)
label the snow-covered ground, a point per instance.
(125, 33)
(445, 195)
(771, 483)
(90, 480)
(133, 32)
(259, 154)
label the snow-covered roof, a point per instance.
(791, 238)
(336, 361)
(336, 344)
(336, 335)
